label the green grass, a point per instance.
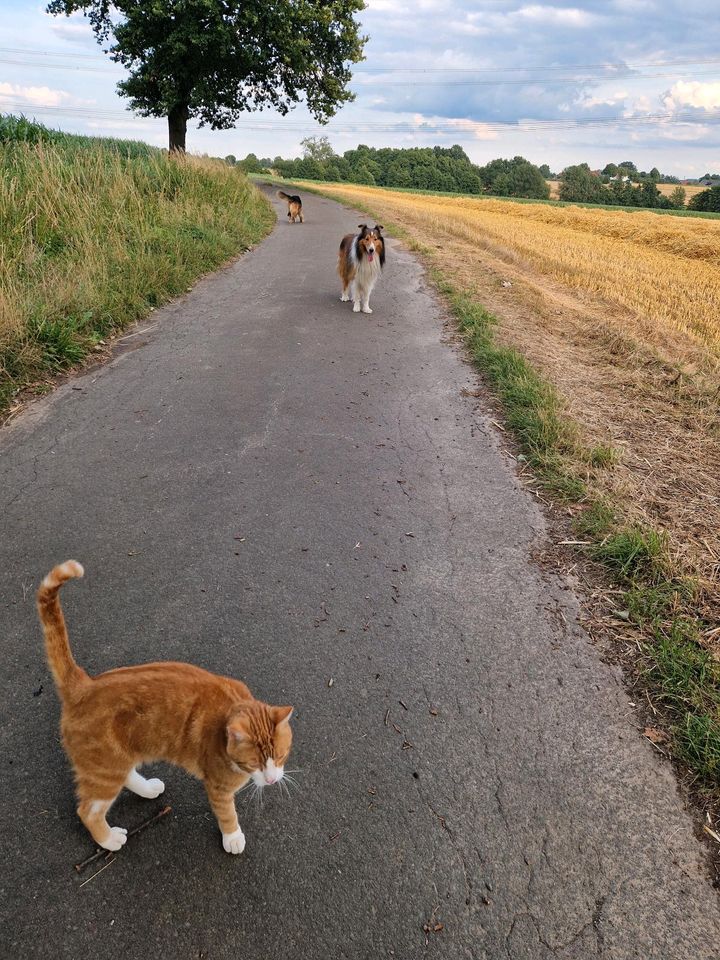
(680, 677)
(96, 234)
(19, 129)
(533, 408)
(688, 683)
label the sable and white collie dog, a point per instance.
(360, 262)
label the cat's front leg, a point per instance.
(222, 802)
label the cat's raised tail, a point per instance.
(57, 646)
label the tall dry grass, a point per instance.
(91, 239)
(664, 269)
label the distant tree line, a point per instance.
(417, 168)
(627, 188)
(449, 169)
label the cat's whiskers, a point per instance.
(291, 782)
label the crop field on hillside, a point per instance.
(620, 312)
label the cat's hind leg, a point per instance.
(149, 789)
(96, 795)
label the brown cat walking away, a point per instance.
(210, 725)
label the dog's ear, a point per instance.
(363, 227)
(379, 227)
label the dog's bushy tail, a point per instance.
(283, 195)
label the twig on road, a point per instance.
(100, 853)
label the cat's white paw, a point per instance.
(234, 842)
(149, 789)
(115, 839)
(356, 308)
(153, 788)
(366, 310)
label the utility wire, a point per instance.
(390, 126)
(377, 81)
(367, 68)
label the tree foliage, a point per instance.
(418, 168)
(580, 185)
(677, 198)
(317, 148)
(514, 178)
(214, 59)
(707, 200)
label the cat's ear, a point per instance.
(281, 714)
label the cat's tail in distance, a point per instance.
(57, 645)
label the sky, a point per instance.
(559, 83)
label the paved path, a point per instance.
(386, 546)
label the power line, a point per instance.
(448, 125)
(527, 81)
(381, 84)
(607, 65)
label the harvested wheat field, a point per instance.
(621, 312)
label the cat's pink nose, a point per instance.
(270, 779)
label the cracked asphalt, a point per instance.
(267, 485)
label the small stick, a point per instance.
(92, 876)
(387, 714)
(100, 853)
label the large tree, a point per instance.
(578, 184)
(214, 59)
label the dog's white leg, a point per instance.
(356, 306)
(345, 295)
(366, 305)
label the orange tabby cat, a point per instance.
(210, 725)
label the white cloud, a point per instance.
(557, 16)
(39, 96)
(703, 96)
(609, 100)
(76, 28)
(479, 131)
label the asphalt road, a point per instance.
(270, 486)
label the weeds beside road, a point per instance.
(95, 235)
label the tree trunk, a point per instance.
(177, 127)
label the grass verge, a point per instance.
(95, 236)
(656, 596)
